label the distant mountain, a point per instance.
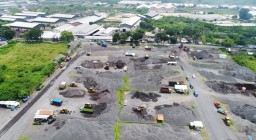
(216, 2)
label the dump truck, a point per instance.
(165, 90)
(64, 111)
(228, 121)
(73, 84)
(62, 85)
(56, 101)
(87, 108)
(196, 125)
(160, 118)
(222, 111)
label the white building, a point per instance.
(63, 16)
(47, 21)
(130, 24)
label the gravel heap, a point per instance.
(201, 54)
(245, 111)
(95, 64)
(98, 95)
(222, 87)
(90, 82)
(176, 114)
(120, 64)
(237, 71)
(73, 93)
(146, 97)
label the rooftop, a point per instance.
(8, 19)
(44, 112)
(42, 19)
(67, 16)
(14, 17)
(23, 25)
(131, 21)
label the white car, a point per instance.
(193, 76)
(129, 54)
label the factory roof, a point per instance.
(27, 14)
(8, 19)
(22, 25)
(50, 35)
(131, 21)
(44, 20)
(65, 16)
(14, 17)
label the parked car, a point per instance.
(25, 99)
(195, 93)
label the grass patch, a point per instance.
(23, 66)
(204, 134)
(120, 93)
(117, 130)
(23, 138)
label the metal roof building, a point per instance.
(44, 20)
(8, 19)
(130, 23)
(21, 18)
(24, 25)
(62, 16)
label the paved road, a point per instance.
(212, 120)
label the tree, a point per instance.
(244, 14)
(137, 35)
(162, 36)
(6, 32)
(34, 34)
(173, 40)
(66, 36)
(116, 37)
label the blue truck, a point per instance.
(56, 101)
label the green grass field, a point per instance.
(23, 66)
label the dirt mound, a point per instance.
(96, 96)
(59, 123)
(71, 93)
(90, 82)
(95, 64)
(146, 97)
(97, 110)
(245, 111)
(176, 114)
(231, 88)
(120, 64)
(239, 72)
(201, 54)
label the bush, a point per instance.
(11, 42)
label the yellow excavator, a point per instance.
(64, 111)
(228, 121)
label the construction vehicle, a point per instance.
(146, 56)
(73, 84)
(87, 108)
(107, 66)
(64, 111)
(228, 121)
(140, 108)
(217, 105)
(147, 48)
(92, 90)
(62, 85)
(222, 111)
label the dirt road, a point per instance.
(216, 128)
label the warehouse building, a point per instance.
(63, 16)
(130, 23)
(17, 18)
(30, 15)
(8, 19)
(48, 21)
(22, 27)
